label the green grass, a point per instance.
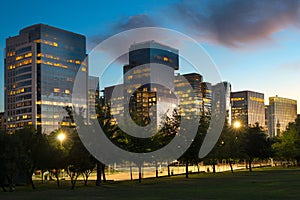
(267, 183)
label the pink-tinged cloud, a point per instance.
(237, 22)
(233, 23)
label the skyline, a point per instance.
(254, 45)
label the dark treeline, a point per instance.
(28, 150)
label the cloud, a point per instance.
(237, 22)
(231, 23)
(131, 22)
(293, 66)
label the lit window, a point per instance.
(166, 59)
(27, 55)
(56, 90)
(83, 69)
(19, 57)
(67, 91)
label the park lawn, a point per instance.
(263, 183)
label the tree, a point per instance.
(30, 146)
(287, 146)
(59, 152)
(191, 154)
(8, 157)
(254, 144)
(79, 161)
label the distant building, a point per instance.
(281, 112)
(149, 80)
(115, 102)
(2, 122)
(192, 99)
(248, 108)
(227, 92)
(93, 96)
(41, 64)
(206, 92)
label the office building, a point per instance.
(281, 112)
(248, 108)
(149, 81)
(93, 97)
(192, 99)
(41, 64)
(227, 92)
(206, 91)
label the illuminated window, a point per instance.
(56, 90)
(67, 91)
(27, 55)
(83, 69)
(19, 57)
(166, 59)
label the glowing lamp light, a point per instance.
(61, 137)
(237, 124)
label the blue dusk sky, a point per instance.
(254, 44)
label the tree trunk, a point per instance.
(230, 164)
(57, 178)
(99, 170)
(186, 169)
(131, 178)
(169, 170)
(103, 173)
(214, 166)
(250, 165)
(85, 178)
(31, 181)
(156, 170)
(140, 173)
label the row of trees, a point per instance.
(29, 150)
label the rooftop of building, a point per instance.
(152, 44)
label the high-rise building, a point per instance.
(41, 64)
(248, 108)
(93, 99)
(206, 92)
(192, 99)
(281, 111)
(149, 81)
(227, 92)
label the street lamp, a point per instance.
(61, 137)
(237, 124)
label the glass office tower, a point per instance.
(149, 81)
(248, 108)
(40, 67)
(281, 111)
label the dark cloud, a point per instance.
(237, 22)
(136, 21)
(233, 23)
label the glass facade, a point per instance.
(280, 112)
(248, 108)
(42, 62)
(191, 99)
(149, 81)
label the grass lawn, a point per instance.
(265, 183)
